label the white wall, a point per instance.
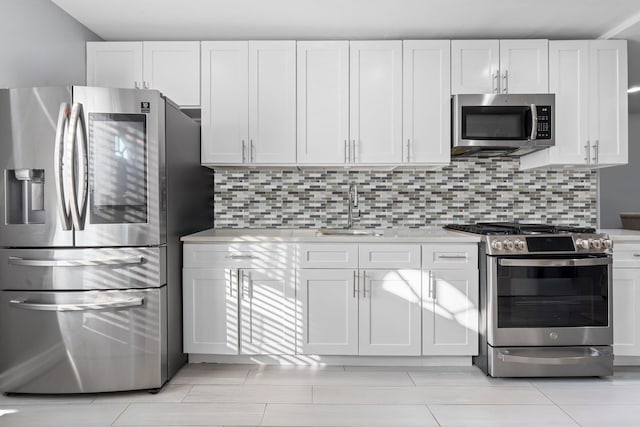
(40, 45)
(620, 186)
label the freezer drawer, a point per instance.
(82, 269)
(82, 342)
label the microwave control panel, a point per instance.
(544, 121)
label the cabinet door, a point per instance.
(114, 64)
(376, 101)
(524, 66)
(323, 102)
(450, 313)
(210, 310)
(475, 66)
(174, 69)
(609, 103)
(225, 105)
(267, 311)
(626, 307)
(389, 312)
(569, 80)
(272, 102)
(426, 112)
(328, 319)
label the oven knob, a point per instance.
(582, 244)
(520, 245)
(595, 244)
(509, 245)
(497, 245)
(607, 243)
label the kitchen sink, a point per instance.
(348, 232)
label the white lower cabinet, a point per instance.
(328, 311)
(267, 311)
(450, 312)
(210, 301)
(331, 299)
(626, 299)
(450, 299)
(389, 321)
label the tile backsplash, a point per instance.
(468, 190)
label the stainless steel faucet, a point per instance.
(352, 195)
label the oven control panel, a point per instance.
(548, 243)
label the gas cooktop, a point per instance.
(514, 228)
(512, 238)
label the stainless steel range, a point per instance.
(545, 300)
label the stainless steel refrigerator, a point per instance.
(97, 187)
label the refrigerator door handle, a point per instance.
(74, 262)
(78, 203)
(106, 305)
(58, 154)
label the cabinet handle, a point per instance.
(588, 150)
(432, 285)
(408, 150)
(353, 158)
(355, 284)
(145, 85)
(496, 82)
(244, 149)
(250, 285)
(241, 283)
(452, 257)
(240, 256)
(346, 151)
(364, 283)
(252, 151)
(505, 82)
(636, 255)
(596, 151)
(136, 85)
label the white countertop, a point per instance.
(621, 234)
(273, 235)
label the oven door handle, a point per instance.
(572, 262)
(548, 360)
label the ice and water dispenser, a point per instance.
(25, 196)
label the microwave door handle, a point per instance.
(534, 122)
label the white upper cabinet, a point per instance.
(475, 66)
(114, 64)
(225, 106)
(589, 79)
(524, 66)
(376, 101)
(272, 102)
(173, 68)
(426, 113)
(608, 118)
(248, 102)
(499, 66)
(323, 102)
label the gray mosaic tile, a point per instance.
(468, 190)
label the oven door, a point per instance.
(549, 301)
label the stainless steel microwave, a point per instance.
(502, 125)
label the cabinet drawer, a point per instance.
(328, 255)
(239, 255)
(626, 255)
(389, 256)
(451, 256)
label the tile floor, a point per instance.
(241, 395)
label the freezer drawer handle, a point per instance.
(572, 360)
(106, 305)
(75, 262)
